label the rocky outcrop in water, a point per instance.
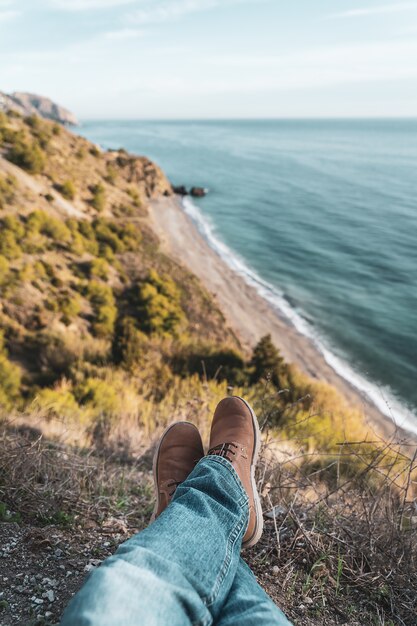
(180, 190)
(32, 104)
(198, 192)
(195, 192)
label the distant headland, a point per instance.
(33, 104)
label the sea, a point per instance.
(321, 217)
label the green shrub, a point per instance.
(159, 305)
(55, 355)
(13, 223)
(10, 378)
(106, 398)
(129, 345)
(98, 200)
(131, 236)
(104, 308)
(58, 402)
(88, 234)
(40, 129)
(67, 189)
(9, 246)
(56, 230)
(134, 194)
(124, 210)
(40, 271)
(268, 364)
(95, 151)
(86, 229)
(70, 307)
(99, 268)
(72, 225)
(28, 156)
(8, 135)
(4, 270)
(26, 273)
(8, 186)
(107, 237)
(107, 253)
(105, 319)
(34, 122)
(78, 244)
(111, 174)
(100, 396)
(210, 362)
(41, 222)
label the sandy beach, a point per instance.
(247, 313)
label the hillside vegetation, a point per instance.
(103, 341)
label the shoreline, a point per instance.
(249, 314)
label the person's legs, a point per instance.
(180, 569)
(247, 603)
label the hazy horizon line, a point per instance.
(250, 119)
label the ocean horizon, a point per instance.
(321, 217)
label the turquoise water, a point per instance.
(325, 214)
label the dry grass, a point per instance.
(340, 544)
(340, 541)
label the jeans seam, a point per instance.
(242, 502)
(208, 600)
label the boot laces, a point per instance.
(224, 450)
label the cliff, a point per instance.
(33, 104)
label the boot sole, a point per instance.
(256, 499)
(155, 464)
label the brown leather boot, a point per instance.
(236, 437)
(178, 451)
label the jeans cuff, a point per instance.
(243, 500)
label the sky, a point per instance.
(176, 59)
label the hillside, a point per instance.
(104, 340)
(32, 104)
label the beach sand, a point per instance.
(246, 312)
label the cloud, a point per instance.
(399, 7)
(169, 10)
(166, 10)
(87, 5)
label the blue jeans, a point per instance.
(185, 568)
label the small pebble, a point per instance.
(50, 595)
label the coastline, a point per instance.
(250, 315)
